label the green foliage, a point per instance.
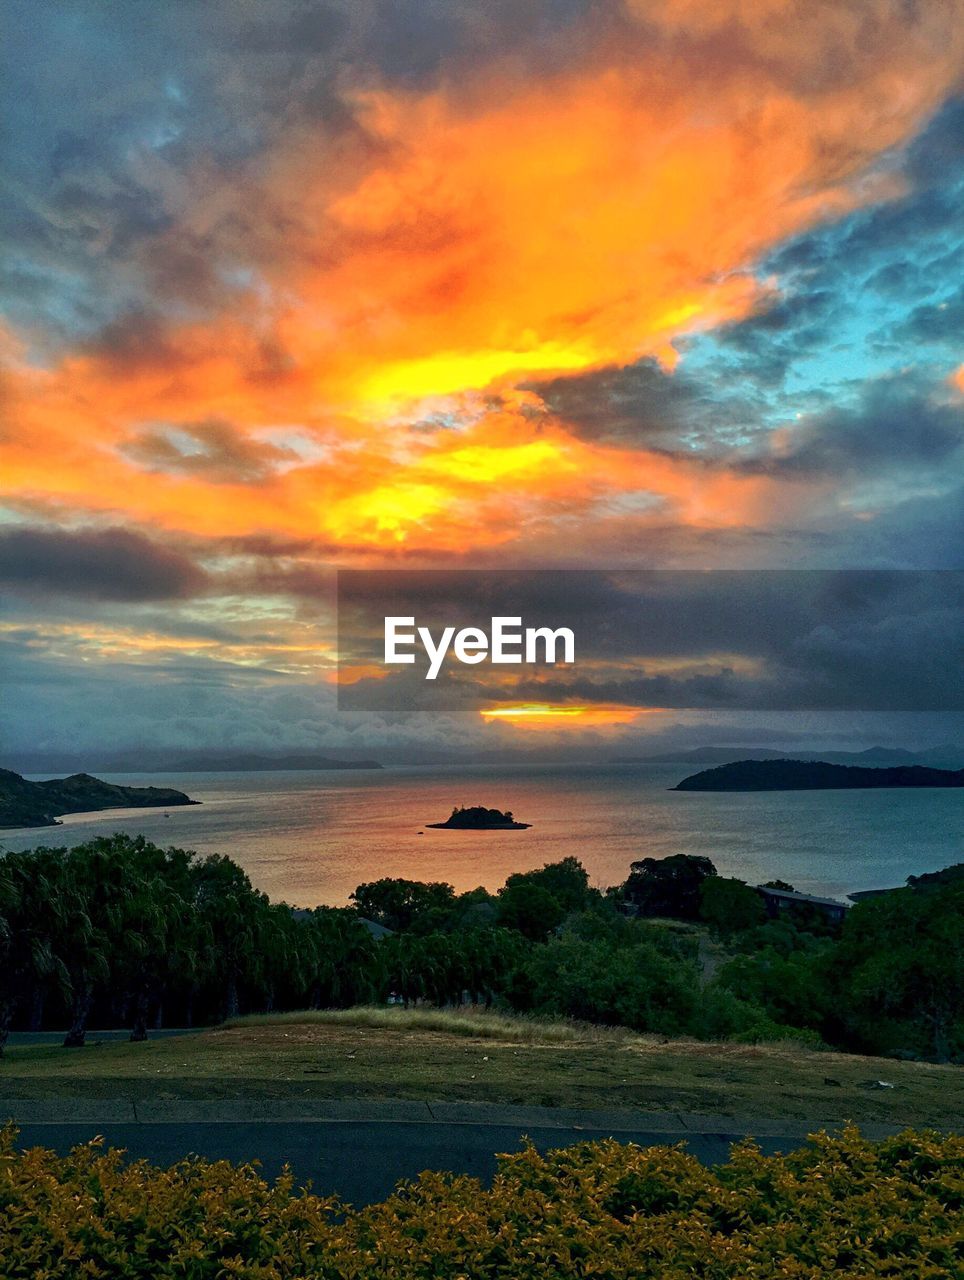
(897, 979)
(118, 928)
(530, 909)
(947, 875)
(730, 906)
(635, 985)
(839, 1206)
(668, 886)
(567, 881)
(790, 989)
(724, 1015)
(443, 967)
(535, 903)
(398, 904)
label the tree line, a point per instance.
(118, 931)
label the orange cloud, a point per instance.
(482, 234)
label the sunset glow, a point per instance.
(541, 715)
(642, 283)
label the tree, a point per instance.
(898, 971)
(398, 903)
(231, 910)
(345, 961)
(668, 886)
(567, 881)
(530, 909)
(730, 906)
(91, 924)
(29, 898)
(154, 946)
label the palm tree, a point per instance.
(231, 910)
(344, 959)
(100, 921)
(28, 963)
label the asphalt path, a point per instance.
(359, 1160)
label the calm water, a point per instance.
(311, 837)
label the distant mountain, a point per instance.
(39, 804)
(704, 755)
(193, 761)
(246, 762)
(942, 757)
(814, 775)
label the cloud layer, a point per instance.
(642, 282)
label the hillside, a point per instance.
(474, 1056)
(947, 756)
(39, 804)
(814, 775)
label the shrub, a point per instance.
(722, 1015)
(634, 986)
(841, 1205)
(789, 989)
(730, 906)
(897, 978)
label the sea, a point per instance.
(308, 838)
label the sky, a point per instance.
(634, 284)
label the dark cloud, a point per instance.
(922, 530)
(941, 321)
(756, 640)
(939, 148)
(215, 449)
(162, 94)
(103, 564)
(644, 405)
(840, 283)
(309, 29)
(933, 164)
(769, 342)
(138, 339)
(898, 426)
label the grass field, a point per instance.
(433, 1055)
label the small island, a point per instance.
(40, 804)
(478, 818)
(814, 775)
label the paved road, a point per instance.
(359, 1161)
(361, 1158)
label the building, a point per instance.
(861, 894)
(780, 902)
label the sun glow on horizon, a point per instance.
(540, 715)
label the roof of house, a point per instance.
(378, 931)
(792, 896)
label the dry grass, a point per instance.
(434, 1055)
(470, 1023)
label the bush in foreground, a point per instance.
(841, 1205)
